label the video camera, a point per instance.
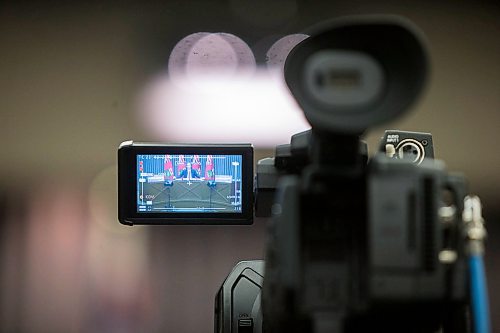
(386, 244)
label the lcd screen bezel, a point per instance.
(127, 184)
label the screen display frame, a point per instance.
(127, 184)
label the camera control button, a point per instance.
(245, 325)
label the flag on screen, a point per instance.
(209, 169)
(169, 170)
(196, 164)
(181, 165)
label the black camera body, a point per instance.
(361, 250)
(354, 244)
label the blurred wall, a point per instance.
(69, 79)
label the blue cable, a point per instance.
(479, 294)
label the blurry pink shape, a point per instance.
(204, 52)
(277, 53)
(258, 109)
(178, 57)
(55, 271)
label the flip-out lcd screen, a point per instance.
(185, 184)
(189, 183)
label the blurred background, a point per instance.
(78, 79)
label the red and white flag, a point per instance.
(209, 169)
(169, 170)
(196, 164)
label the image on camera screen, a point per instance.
(189, 183)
